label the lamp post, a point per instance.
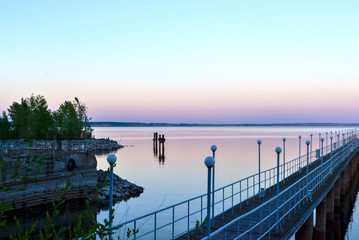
(336, 140)
(331, 154)
(343, 145)
(278, 150)
(307, 142)
(326, 142)
(343, 139)
(213, 148)
(78, 102)
(259, 168)
(311, 146)
(284, 139)
(111, 159)
(320, 134)
(321, 159)
(300, 141)
(322, 140)
(209, 162)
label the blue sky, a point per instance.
(185, 61)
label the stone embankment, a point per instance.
(32, 173)
(30, 179)
(91, 145)
(122, 189)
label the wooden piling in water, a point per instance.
(162, 140)
(155, 143)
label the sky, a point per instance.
(179, 61)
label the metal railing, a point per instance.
(182, 218)
(290, 199)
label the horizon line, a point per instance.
(144, 124)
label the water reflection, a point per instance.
(161, 159)
(351, 217)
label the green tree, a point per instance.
(20, 115)
(31, 118)
(4, 127)
(67, 121)
(41, 118)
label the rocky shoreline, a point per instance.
(105, 145)
(122, 189)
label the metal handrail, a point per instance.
(314, 174)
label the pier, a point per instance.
(324, 189)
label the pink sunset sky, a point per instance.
(185, 61)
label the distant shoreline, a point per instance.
(139, 124)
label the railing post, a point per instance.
(209, 162)
(155, 226)
(300, 141)
(336, 135)
(111, 159)
(278, 150)
(307, 142)
(259, 169)
(284, 139)
(213, 148)
(322, 155)
(188, 216)
(173, 220)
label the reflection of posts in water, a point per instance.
(162, 140)
(155, 143)
(161, 158)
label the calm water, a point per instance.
(353, 228)
(183, 174)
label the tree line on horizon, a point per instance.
(32, 119)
